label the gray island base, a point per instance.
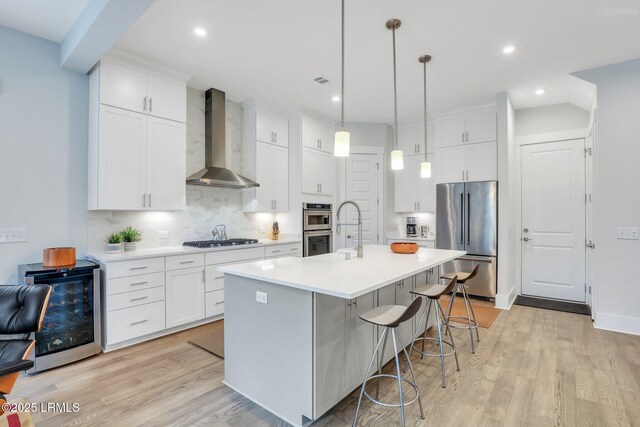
(294, 343)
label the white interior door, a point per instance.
(363, 178)
(553, 220)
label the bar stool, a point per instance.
(433, 294)
(390, 317)
(471, 316)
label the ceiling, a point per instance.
(48, 19)
(272, 50)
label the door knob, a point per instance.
(526, 239)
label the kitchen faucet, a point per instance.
(359, 247)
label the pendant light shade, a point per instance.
(342, 137)
(425, 169)
(341, 144)
(425, 166)
(397, 160)
(397, 156)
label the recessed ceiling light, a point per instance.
(539, 91)
(335, 98)
(200, 31)
(508, 49)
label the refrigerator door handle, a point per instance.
(462, 218)
(468, 219)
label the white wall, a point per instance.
(506, 202)
(550, 118)
(43, 150)
(206, 206)
(617, 296)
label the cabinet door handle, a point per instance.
(219, 302)
(139, 322)
(144, 104)
(466, 136)
(139, 268)
(144, 200)
(187, 262)
(462, 137)
(293, 249)
(139, 283)
(138, 299)
(275, 205)
(418, 206)
(150, 104)
(275, 137)
(149, 199)
(275, 252)
(320, 144)
(321, 187)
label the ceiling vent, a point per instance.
(321, 80)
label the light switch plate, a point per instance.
(628, 233)
(261, 297)
(13, 235)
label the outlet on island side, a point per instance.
(261, 297)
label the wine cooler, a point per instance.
(71, 327)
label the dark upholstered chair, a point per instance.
(22, 311)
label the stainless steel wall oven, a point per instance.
(317, 229)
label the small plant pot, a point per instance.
(113, 248)
(130, 246)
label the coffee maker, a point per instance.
(412, 226)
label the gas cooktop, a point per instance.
(219, 243)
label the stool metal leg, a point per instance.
(473, 314)
(395, 352)
(424, 334)
(417, 332)
(381, 364)
(450, 307)
(366, 375)
(439, 325)
(466, 306)
(453, 343)
(413, 377)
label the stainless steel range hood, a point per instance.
(215, 172)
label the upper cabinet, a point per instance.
(318, 162)
(411, 192)
(411, 140)
(466, 146)
(316, 135)
(137, 138)
(135, 89)
(466, 129)
(265, 159)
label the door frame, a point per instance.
(588, 136)
(382, 180)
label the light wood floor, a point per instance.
(533, 367)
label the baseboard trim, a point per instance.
(505, 301)
(617, 323)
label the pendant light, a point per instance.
(342, 138)
(397, 157)
(425, 166)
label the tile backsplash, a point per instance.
(206, 206)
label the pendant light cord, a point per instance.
(426, 129)
(395, 94)
(342, 83)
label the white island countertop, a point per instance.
(331, 274)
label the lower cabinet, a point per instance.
(132, 322)
(398, 293)
(185, 296)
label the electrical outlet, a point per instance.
(261, 297)
(262, 230)
(163, 235)
(627, 233)
(13, 235)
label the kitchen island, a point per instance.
(294, 343)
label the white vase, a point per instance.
(130, 246)
(113, 248)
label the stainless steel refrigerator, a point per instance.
(467, 220)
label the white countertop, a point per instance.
(330, 274)
(413, 239)
(103, 257)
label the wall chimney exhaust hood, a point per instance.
(215, 172)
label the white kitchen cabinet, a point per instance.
(466, 128)
(121, 157)
(184, 296)
(281, 251)
(413, 193)
(166, 164)
(469, 162)
(318, 172)
(135, 88)
(271, 128)
(272, 173)
(316, 135)
(411, 140)
(361, 335)
(405, 298)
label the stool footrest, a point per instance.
(474, 324)
(425, 353)
(395, 378)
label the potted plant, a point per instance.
(114, 243)
(130, 237)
